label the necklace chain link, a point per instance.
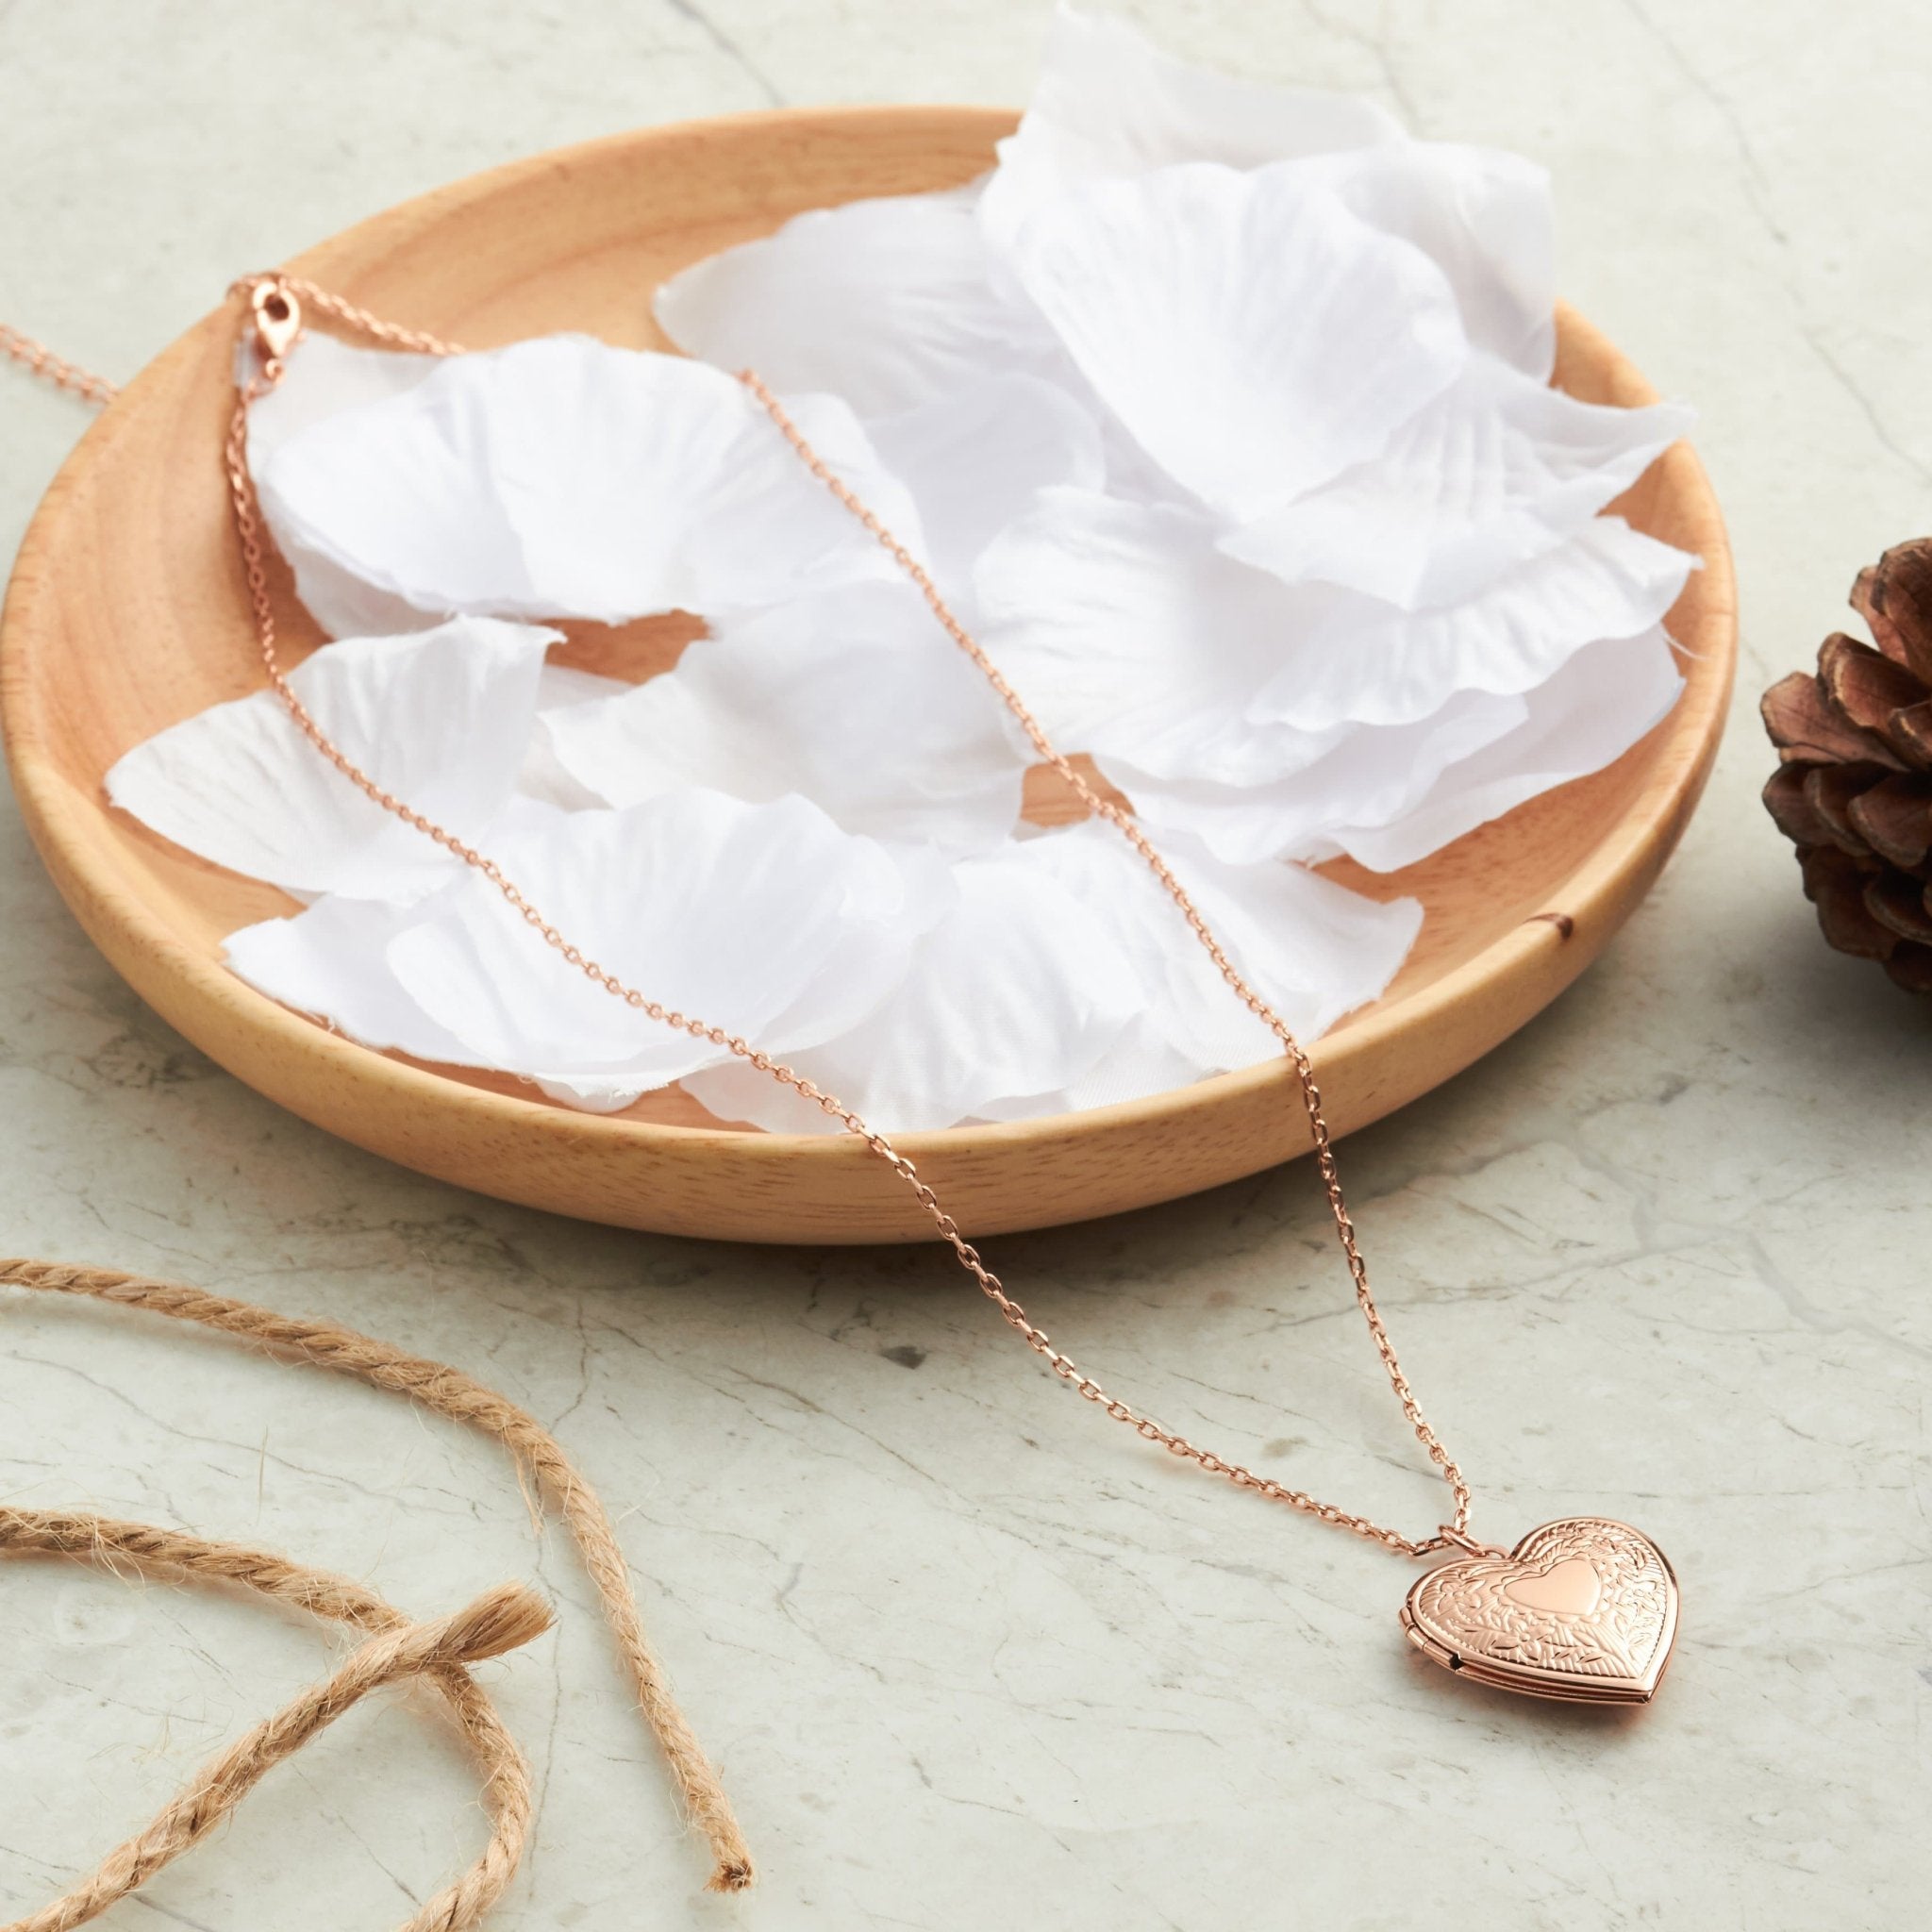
(42, 361)
(280, 301)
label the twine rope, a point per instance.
(498, 1620)
(459, 1397)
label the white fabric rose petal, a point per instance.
(1124, 629)
(1133, 637)
(1394, 795)
(765, 920)
(890, 304)
(325, 377)
(1108, 104)
(1497, 470)
(439, 718)
(1312, 949)
(1252, 334)
(1110, 107)
(854, 699)
(1484, 217)
(561, 477)
(344, 605)
(564, 684)
(459, 978)
(1007, 1004)
(1591, 710)
(886, 302)
(1359, 659)
(330, 962)
(562, 688)
(976, 456)
(1065, 977)
(1373, 775)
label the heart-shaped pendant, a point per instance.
(1584, 1609)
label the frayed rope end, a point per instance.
(498, 1620)
(734, 1874)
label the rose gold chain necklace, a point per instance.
(1584, 1608)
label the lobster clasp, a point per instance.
(277, 323)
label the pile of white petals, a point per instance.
(1222, 415)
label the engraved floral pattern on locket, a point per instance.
(1583, 1610)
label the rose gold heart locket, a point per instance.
(1584, 1609)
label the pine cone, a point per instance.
(1854, 789)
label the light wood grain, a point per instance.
(126, 613)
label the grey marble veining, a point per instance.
(967, 1656)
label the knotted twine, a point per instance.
(397, 1649)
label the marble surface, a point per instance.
(967, 1655)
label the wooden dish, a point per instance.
(126, 613)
